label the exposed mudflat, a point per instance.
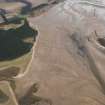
(69, 54)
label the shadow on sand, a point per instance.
(31, 99)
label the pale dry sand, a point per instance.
(68, 63)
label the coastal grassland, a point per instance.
(16, 46)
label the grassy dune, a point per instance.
(16, 46)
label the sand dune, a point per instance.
(68, 63)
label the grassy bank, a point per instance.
(16, 46)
